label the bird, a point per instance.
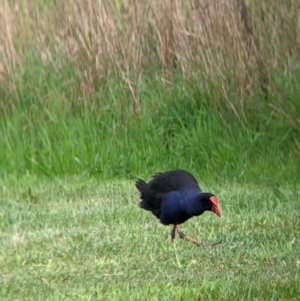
(174, 197)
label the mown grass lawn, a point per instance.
(120, 89)
(82, 239)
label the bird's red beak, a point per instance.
(215, 206)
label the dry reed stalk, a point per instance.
(233, 47)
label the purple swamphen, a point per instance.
(174, 197)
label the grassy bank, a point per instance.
(114, 89)
(177, 126)
(94, 94)
(68, 239)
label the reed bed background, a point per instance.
(94, 94)
(153, 65)
(235, 47)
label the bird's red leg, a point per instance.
(195, 241)
(185, 237)
(173, 234)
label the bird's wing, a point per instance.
(173, 180)
(153, 193)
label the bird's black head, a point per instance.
(210, 203)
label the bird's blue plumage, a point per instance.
(173, 197)
(179, 206)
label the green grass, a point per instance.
(90, 102)
(77, 238)
(176, 126)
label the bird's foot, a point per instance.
(202, 244)
(216, 243)
(190, 239)
(195, 241)
(198, 243)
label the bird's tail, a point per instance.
(140, 185)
